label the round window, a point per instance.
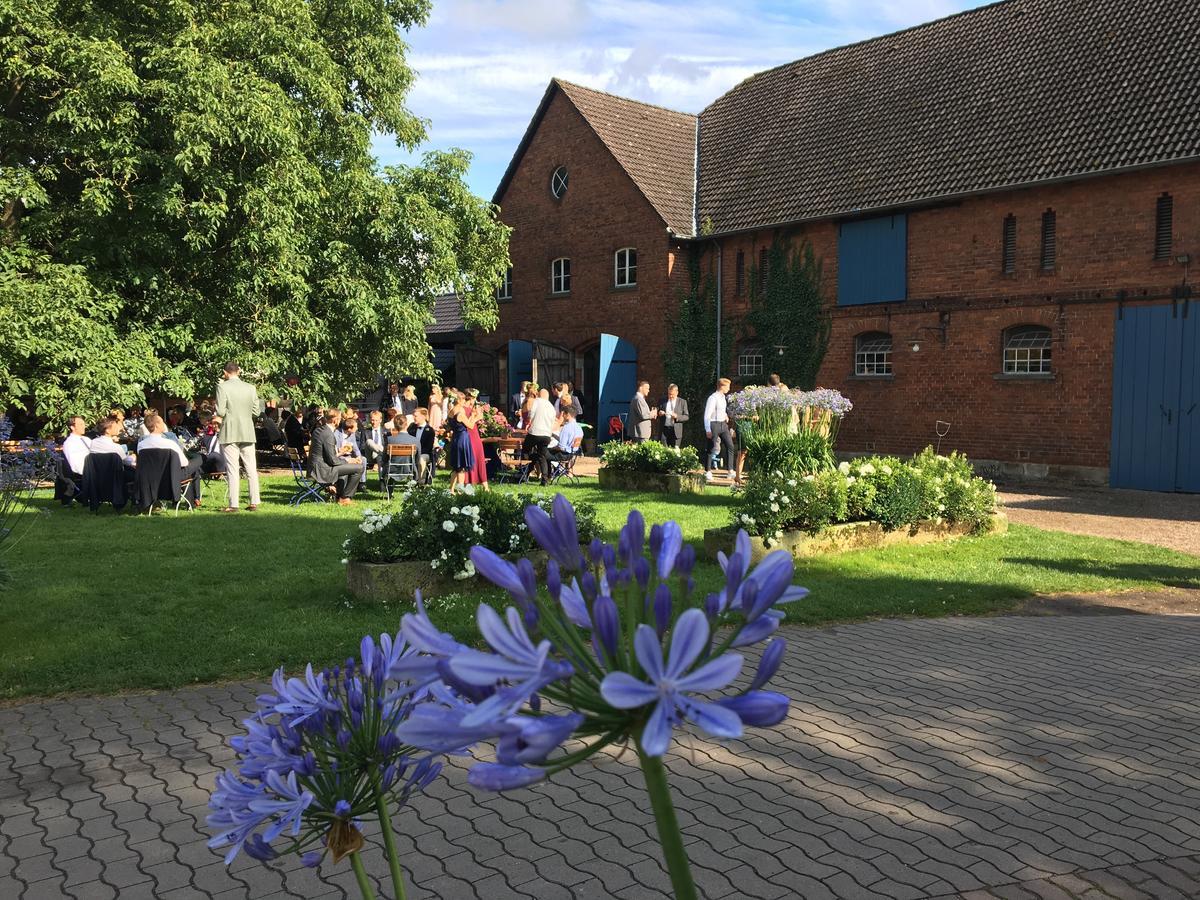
(558, 182)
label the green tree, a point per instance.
(787, 310)
(691, 360)
(184, 182)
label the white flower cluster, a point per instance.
(373, 521)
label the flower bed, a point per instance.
(651, 466)
(424, 538)
(494, 423)
(890, 493)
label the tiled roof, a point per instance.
(1017, 92)
(447, 315)
(655, 146)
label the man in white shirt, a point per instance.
(716, 428)
(105, 442)
(541, 427)
(77, 445)
(374, 441)
(156, 439)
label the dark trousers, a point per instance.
(720, 435)
(537, 447)
(192, 471)
(672, 436)
(346, 477)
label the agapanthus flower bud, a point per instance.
(758, 708)
(553, 579)
(342, 809)
(768, 665)
(662, 609)
(641, 571)
(606, 623)
(596, 550)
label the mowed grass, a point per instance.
(104, 603)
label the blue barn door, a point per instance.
(1187, 477)
(1147, 388)
(520, 367)
(618, 380)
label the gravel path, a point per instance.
(1168, 520)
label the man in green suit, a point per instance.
(237, 405)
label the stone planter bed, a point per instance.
(399, 580)
(847, 536)
(651, 482)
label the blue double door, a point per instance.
(1156, 399)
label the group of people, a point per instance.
(672, 412)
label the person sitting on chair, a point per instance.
(421, 430)
(210, 447)
(75, 448)
(348, 446)
(106, 439)
(570, 437)
(372, 441)
(156, 439)
(326, 467)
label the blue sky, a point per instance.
(483, 64)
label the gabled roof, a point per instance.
(655, 146)
(447, 315)
(1010, 94)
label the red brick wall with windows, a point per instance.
(1105, 235)
(601, 212)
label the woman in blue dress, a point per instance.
(462, 457)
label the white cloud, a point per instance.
(484, 64)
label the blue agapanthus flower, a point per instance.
(617, 648)
(321, 752)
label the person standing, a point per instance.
(478, 472)
(541, 428)
(237, 405)
(674, 414)
(716, 428)
(640, 414)
(462, 458)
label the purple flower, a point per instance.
(498, 777)
(534, 737)
(301, 698)
(558, 536)
(758, 708)
(667, 687)
(768, 665)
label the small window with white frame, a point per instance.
(625, 267)
(750, 363)
(560, 276)
(558, 182)
(504, 289)
(1027, 350)
(873, 354)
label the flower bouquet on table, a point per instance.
(620, 646)
(493, 424)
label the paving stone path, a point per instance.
(978, 758)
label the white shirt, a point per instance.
(75, 449)
(669, 410)
(105, 444)
(162, 442)
(541, 418)
(714, 410)
(375, 438)
(566, 437)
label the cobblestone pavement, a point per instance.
(1169, 520)
(979, 758)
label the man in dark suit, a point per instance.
(372, 442)
(326, 467)
(424, 435)
(210, 448)
(674, 412)
(637, 425)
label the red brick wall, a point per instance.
(1105, 245)
(601, 212)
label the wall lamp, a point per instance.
(941, 328)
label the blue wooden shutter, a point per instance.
(873, 261)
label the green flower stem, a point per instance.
(364, 883)
(389, 841)
(669, 836)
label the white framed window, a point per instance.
(504, 290)
(560, 276)
(625, 267)
(749, 363)
(1027, 350)
(558, 182)
(873, 354)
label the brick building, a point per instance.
(1006, 203)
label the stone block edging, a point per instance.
(651, 482)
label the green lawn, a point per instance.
(106, 603)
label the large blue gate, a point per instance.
(1156, 399)
(618, 380)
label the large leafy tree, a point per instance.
(189, 181)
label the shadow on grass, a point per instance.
(1166, 576)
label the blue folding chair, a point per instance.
(307, 490)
